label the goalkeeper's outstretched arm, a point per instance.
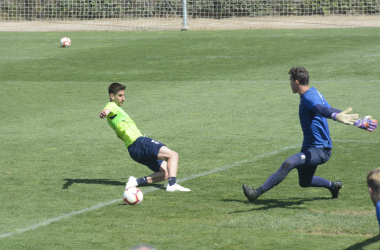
(326, 112)
(345, 117)
(336, 114)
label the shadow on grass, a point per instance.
(272, 203)
(70, 182)
(367, 242)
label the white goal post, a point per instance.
(56, 15)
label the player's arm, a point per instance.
(104, 113)
(345, 117)
(325, 111)
(365, 122)
(337, 115)
(351, 119)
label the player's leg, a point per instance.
(159, 168)
(171, 157)
(308, 179)
(312, 158)
(144, 151)
(161, 175)
(275, 179)
(149, 152)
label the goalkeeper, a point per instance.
(316, 146)
(151, 153)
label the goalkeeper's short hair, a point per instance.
(300, 74)
(373, 180)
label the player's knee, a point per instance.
(290, 163)
(285, 164)
(174, 155)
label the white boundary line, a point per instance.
(103, 204)
(191, 177)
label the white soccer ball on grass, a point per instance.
(133, 196)
(65, 42)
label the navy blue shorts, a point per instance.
(145, 151)
(309, 159)
(313, 156)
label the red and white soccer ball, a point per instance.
(65, 42)
(133, 196)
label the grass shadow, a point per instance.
(70, 182)
(273, 203)
(367, 242)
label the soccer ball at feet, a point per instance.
(65, 42)
(132, 196)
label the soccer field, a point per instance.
(222, 100)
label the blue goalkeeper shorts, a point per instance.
(145, 151)
(309, 159)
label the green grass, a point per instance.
(221, 99)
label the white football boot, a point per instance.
(176, 187)
(132, 182)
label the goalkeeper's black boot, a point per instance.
(250, 193)
(337, 186)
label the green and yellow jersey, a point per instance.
(123, 125)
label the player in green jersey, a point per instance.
(151, 153)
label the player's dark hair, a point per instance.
(115, 87)
(300, 74)
(373, 180)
